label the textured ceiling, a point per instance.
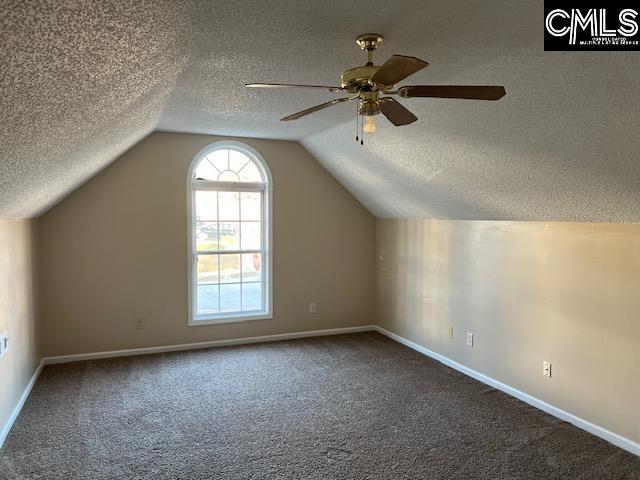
(84, 80)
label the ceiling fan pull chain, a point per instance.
(357, 120)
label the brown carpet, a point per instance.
(344, 407)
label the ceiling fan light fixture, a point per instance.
(369, 124)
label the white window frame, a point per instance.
(267, 233)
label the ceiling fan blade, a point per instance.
(290, 85)
(396, 112)
(453, 91)
(397, 68)
(322, 106)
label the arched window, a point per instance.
(229, 235)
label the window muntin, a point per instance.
(230, 236)
(226, 165)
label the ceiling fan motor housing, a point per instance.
(355, 79)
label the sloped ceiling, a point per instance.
(84, 80)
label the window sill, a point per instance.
(203, 320)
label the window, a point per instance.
(229, 235)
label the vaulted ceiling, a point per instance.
(84, 80)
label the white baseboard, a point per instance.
(611, 437)
(195, 346)
(23, 398)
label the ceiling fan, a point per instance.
(369, 83)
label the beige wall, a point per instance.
(562, 292)
(117, 248)
(17, 311)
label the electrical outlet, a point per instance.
(450, 332)
(470, 339)
(313, 308)
(546, 368)
(139, 323)
(4, 343)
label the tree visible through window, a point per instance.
(230, 233)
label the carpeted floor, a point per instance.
(344, 407)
